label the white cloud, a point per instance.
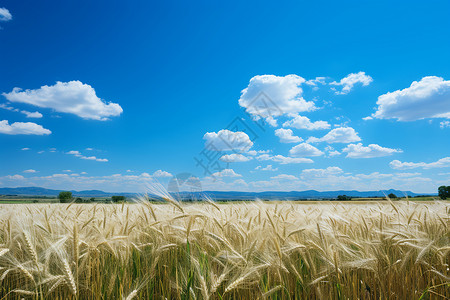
(270, 96)
(67, 171)
(161, 173)
(226, 140)
(284, 160)
(407, 174)
(83, 173)
(338, 135)
(302, 122)
(226, 173)
(254, 152)
(235, 157)
(444, 124)
(427, 98)
(5, 15)
(334, 153)
(25, 149)
(373, 150)
(304, 149)
(79, 155)
(331, 151)
(374, 175)
(284, 177)
(68, 97)
(266, 168)
(441, 163)
(350, 80)
(30, 171)
(28, 114)
(315, 82)
(15, 177)
(36, 114)
(322, 172)
(287, 136)
(22, 128)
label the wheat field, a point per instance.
(252, 250)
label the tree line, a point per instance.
(66, 197)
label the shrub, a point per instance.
(444, 192)
(65, 196)
(118, 198)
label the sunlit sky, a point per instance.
(254, 96)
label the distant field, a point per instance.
(251, 250)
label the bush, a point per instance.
(392, 196)
(65, 197)
(118, 198)
(444, 192)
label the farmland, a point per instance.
(287, 250)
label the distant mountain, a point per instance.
(310, 194)
(271, 195)
(38, 191)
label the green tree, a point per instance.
(118, 198)
(343, 198)
(65, 197)
(444, 192)
(392, 196)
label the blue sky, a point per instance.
(295, 95)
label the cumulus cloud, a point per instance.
(315, 82)
(284, 177)
(407, 174)
(235, 157)
(322, 172)
(441, 163)
(28, 128)
(254, 152)
(72, 97)
(15, 177)
(444, 124)
(331, 152)
(226, 140)
(28, 114)
(304, 149)
(287, 136)
(427, 98)
(36, 114)
(79, 155)
(226, 173)
(160, 173)
(350, 80)
(373, 150)
(266, 168)
(338, 135)
(30, 171)
(302, 122)
(270, 96)
(283, 159)
(5, 15)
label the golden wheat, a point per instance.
(261, 250)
